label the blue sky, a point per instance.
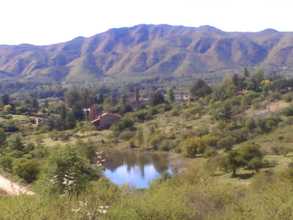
(52, 21)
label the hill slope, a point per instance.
(148, 49)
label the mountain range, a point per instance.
(148, 50)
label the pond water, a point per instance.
(136, 169)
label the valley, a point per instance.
(199, 150)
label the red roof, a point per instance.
(103, 115)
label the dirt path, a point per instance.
(12, 188)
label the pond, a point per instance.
(136, 169)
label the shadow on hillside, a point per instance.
(244, 176)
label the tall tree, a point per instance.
(157, 98)
(2, 137)
(200, 89)
(170, 95)
(5, 99)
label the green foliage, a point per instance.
(69, 172)
(16, 143)
(2, 137)
(123, 124)
(157, 98)
(248, 156)
(170, 96)
(193, 147)
(8, 109)
(4, 99)
(288, 111)
(26, 169)
(6, 162)
(200, 89)
(227, 142)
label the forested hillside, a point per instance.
(148, 50)
(228, 146)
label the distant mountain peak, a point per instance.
(208, 28)
(148, 49)
(270, 31)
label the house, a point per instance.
(92, 113)
(182, 96)
(38, 121)
(105, 120)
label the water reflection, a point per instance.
(135, 169)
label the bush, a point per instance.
(192, 147)
(155, 140)
(288, 111)
(26, 169)
(15, 143)
(126, 135)
(6, 163)
(2, 137)
(210, 140)
(166, 145)
(227, 142)
(10, 126)
(70, 172)
(248, 156)
(157, 98)
(288, 97)
(143, 115)
(122, 125)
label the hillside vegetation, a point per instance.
(233, 141)
(148, 50)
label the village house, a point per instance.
(105, 120)
(92, 113)
(99, 119)
(182, 96)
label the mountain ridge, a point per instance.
(146, 50)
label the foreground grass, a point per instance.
(193, 194)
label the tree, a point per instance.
(200, 89)
(8, 108)
(6, 162)
(193, 147)
(227, 142)
(170, 96)
(15, 143)
(2, 137)
(223, 112)
(100, 98)
(5, 99)
(246, 73)
(140, 137)
(233, 162)
(77, 111)
(27, 169)
(157, 98)
(70, 121)
(70, 172)
(248, 156)
(251, 156)
(122, 125)
(35, 104)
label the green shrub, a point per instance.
(69, 172)
(2, 137)
(193, 147)
(288, 111)
(26, 169)
(126, 135)
(122, 125)
(6, 162)
(227, 142)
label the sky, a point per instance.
(51, 21)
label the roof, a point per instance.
(103, 115)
